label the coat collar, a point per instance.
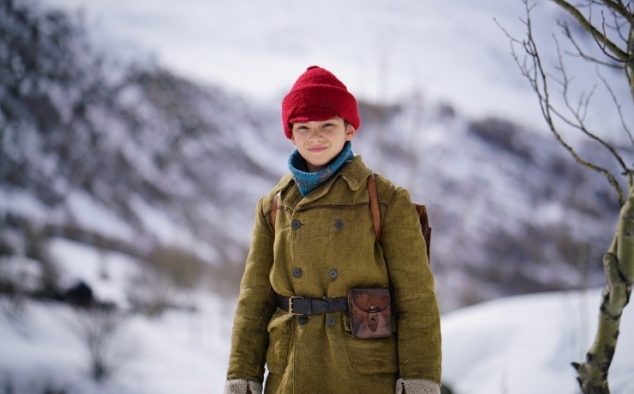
(354, 173)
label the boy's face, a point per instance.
(319, 142)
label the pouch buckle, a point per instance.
(291, 304)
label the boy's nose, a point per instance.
(315, 135)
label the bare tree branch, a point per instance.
(580, 111)
(532, 69)
(629, 69)
(619, 26)
(582, 54)
(618, 106)
(574, 12)
(621, 9)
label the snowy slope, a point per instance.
(525, 344)
(180, 351)
(514, 345)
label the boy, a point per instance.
(293, 310)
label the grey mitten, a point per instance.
(416, 386)
(242, 386)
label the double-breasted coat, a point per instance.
(324, 244)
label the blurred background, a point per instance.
(138, 136)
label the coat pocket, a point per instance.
(371, 356)
(279, 341)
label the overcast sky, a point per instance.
(382, 49)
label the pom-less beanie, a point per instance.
(318, 95)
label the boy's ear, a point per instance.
(350, 132)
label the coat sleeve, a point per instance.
(256, 303)
(419, 339)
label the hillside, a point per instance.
(129, 157)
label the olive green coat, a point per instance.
(324, 244)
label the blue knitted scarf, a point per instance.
(308, 181)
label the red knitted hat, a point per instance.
(318, 95)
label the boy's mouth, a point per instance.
(317, 149)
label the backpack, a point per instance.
(376, 214)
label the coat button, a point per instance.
(303, 319)
(296, 224)
(297, 272)
(338, 223)
(333, 274)
(330, 321)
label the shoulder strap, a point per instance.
(374, 207)
(376, 215)
(276, 199)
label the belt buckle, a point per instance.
(291, 303)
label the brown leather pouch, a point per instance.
(370, 312)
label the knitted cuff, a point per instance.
(416, 386)
(240, 386)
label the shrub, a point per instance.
(38, 385)
(182, 268)
(148, 293)
(99, 330)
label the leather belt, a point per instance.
(310, 306)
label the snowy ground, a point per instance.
(181, 351)
(515, 345)
(525, 345)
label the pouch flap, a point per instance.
(372, 300)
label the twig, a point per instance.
(616, 51)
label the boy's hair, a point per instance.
(345, 124)
(318, 95)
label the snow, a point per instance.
(105, 272)
(525, 344)
(92, 215)
(22, 202)
(175, 353)
(181, 351)
(156, 221)
(168, 232)
(514, 345)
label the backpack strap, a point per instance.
(274, 205)
(374, 207)
(421, 210)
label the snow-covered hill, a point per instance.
(519, 345)
(525, 344)
(127, 156)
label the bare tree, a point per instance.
(610, 26)
(99, 330)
